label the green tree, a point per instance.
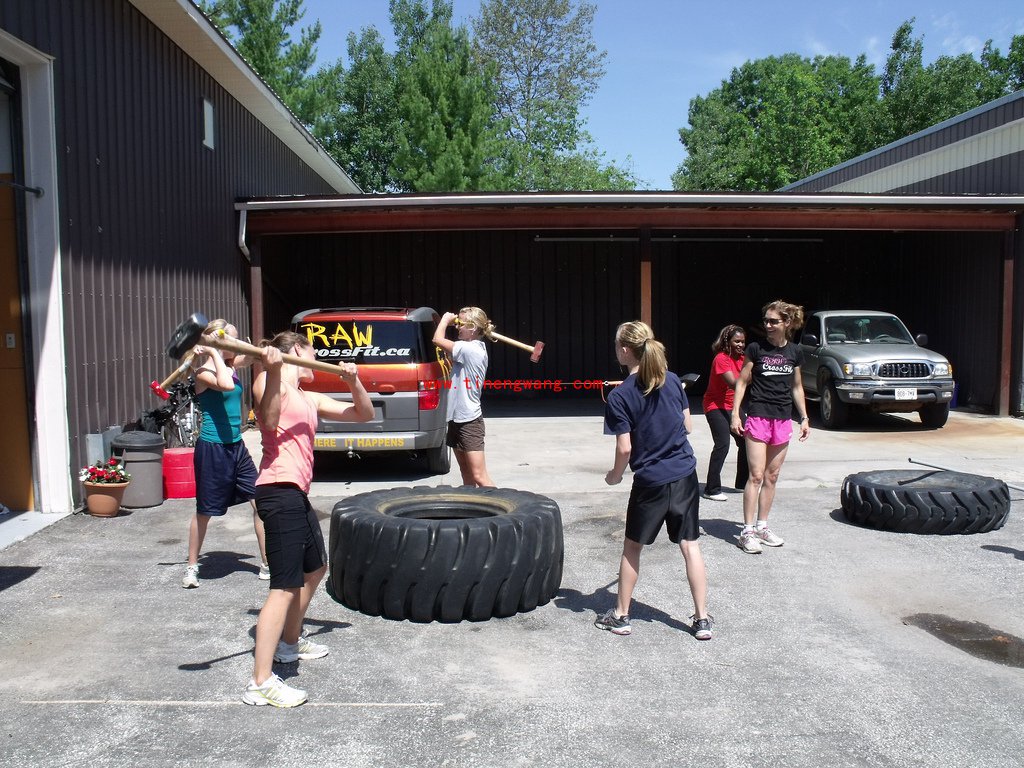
(1009, 68)
(260, 31)
(915, 97)
(546, 67)
(777, 120)
(445, 108)
(362, 134)
(780, 119)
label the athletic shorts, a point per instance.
(770, 431)
(676, 504)
(295, 543)
(467, 435)
(225, 476)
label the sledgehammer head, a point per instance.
(186, 335)
(537, 349)
(159, 391)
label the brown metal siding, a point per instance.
(701, 286)
(946, 285)
(570, 295)
(148, 229)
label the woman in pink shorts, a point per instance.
(769, 387)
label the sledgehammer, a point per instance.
(534, 351)
(160, 388)
(190, 332)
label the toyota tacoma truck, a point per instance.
(869, 360)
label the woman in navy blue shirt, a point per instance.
(650, 417)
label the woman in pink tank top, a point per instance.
(295, 544)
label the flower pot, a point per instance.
(104, 499)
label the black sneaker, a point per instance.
(702, 627)
(617, 625)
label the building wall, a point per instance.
(147, 226)
(572, 293)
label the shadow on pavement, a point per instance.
(726, 530)
(15, 574)
(218, 564)
(602, 598)
(1017, 553)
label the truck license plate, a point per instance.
(906, 394)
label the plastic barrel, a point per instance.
(142, 455)
(179, 473)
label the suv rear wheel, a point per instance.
(439, 460)
(834, 412)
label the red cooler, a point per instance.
(179, 473)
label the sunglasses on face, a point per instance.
(772, 320)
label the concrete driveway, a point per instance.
(818, 658)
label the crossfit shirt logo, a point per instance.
(776, 366)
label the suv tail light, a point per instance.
(429, 397)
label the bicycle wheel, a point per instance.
(191, 424)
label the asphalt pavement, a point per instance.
(834, 649)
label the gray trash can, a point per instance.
(143, 457)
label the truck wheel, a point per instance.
(834, 412)
(439, 460)
(925, 501)
(934, 415)
(445, 554)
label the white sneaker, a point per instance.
(264, 574)
(191, 577)
(304, 650)
(768, 538)
(749, 543)
(275, 692)
(716, 496)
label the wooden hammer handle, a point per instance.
(240, 347)
(186, 361)
(507, 340)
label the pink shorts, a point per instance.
(770, 431)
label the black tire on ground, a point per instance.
(834, 412)
(925, 501)
(439, 460)
(934, 415)
(445, 554)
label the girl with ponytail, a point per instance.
(770, 389)
(650, 417)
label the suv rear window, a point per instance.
(367, 341)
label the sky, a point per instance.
(663, 53)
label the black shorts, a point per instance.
(467, 435)
(225, 476)
(675, 504)
(295, 543)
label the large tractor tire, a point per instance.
(925, 501)
(445, 554)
